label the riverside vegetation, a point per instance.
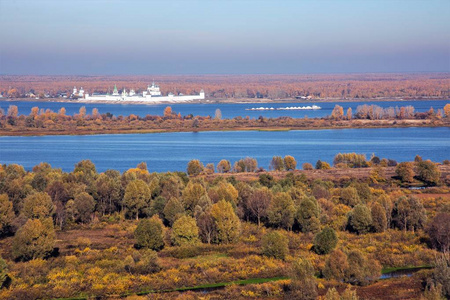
(47, 122)
(254, 87)
(297, 234)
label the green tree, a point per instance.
(290, 163)
(6, 214)
(226, 222)
(38, 205)
(281, 211)
(266, 180)
(194, 167)
(224, 191)
(349, 196)
(428, 172)
(86, 171)
(137, 197)
(184, 231)
(360, 219)
(405, 171)
(149, 234)
(35, 239)
(157, 206)
(173, 210)
(275, 244)
(379, 220)
(325, 241)
(409, 213)
(3, 272)
(84, 205)
(308, 215)
(191, 195)
(109, 191)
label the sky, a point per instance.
(55, 37)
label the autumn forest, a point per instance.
(319, 86)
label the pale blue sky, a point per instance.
(235, 37)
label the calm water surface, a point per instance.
(172, 151)
(228, 110)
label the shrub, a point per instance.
(142, 262)
(266, 180)
(352, 160)
(322, 165)
(360, 270)
(184, 231)
(336, 265)
(149, 234)
(428, 172)
(307, 166)
(303, 283)
(35, 239)
(325, 241)
(275, 244)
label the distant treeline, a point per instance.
(50, 122)
(339, 86)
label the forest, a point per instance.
(317, 86)
(48, 122)
(231, 230)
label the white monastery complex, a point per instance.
(152, 94)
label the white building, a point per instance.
(76, 93)
(152, 94)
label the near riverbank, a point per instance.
(132, 126)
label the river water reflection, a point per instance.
(172, 151)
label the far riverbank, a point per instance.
(230, 100)
(225, 125)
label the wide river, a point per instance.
(229, 110)
(172, 151)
